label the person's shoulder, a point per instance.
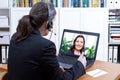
(47, 41)
(13, 36)
(44, 41)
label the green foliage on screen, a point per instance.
(90, 51)
(65, 45)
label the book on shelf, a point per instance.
(114, 31)
(30, 3)
(22, 4)
(114, 11)
(114, 22)
(115, 35)
(65, 3)
(18, 3)
(26, 3)
(34, 2)
(115, 40)
(94, 3)
(110, 53)
(113, 26)
(4, 55)
(86, 3)
(113, 54)
(83, 3)
(102, 3)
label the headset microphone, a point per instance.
(52, 33)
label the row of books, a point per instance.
(114, 16)
(114, 25)
(113, 54)
(64, 3)
(84, 3)
(30, 3)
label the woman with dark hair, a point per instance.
(78, 45)
(33, 57)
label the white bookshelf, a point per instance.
(5, 22)
(4, 29)
(86, 19)
(114, 35)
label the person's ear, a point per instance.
(46, 24)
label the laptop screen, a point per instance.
(91, 42)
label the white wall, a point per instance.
(70, 18)
(86, 19)
(16, 15)
(96, 20)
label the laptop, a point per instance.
(91, 45)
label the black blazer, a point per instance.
(35, 59)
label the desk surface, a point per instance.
(112, 69)
(3, 67)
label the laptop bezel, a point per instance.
(80, 32)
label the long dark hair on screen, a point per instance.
(38, 14)
(73, 46)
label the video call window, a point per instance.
(90, 43)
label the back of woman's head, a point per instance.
(38, 14)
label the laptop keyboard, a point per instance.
(67, 59)
(66, 66)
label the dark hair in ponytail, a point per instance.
(39, 13)
(24, 28)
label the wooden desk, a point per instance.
(3, 71)
(3, 67)
(112, 69)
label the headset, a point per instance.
(50, 23)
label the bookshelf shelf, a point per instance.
(4, 7)
(5, 26)
(5, 22)
(86, 19)
(114, 36)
